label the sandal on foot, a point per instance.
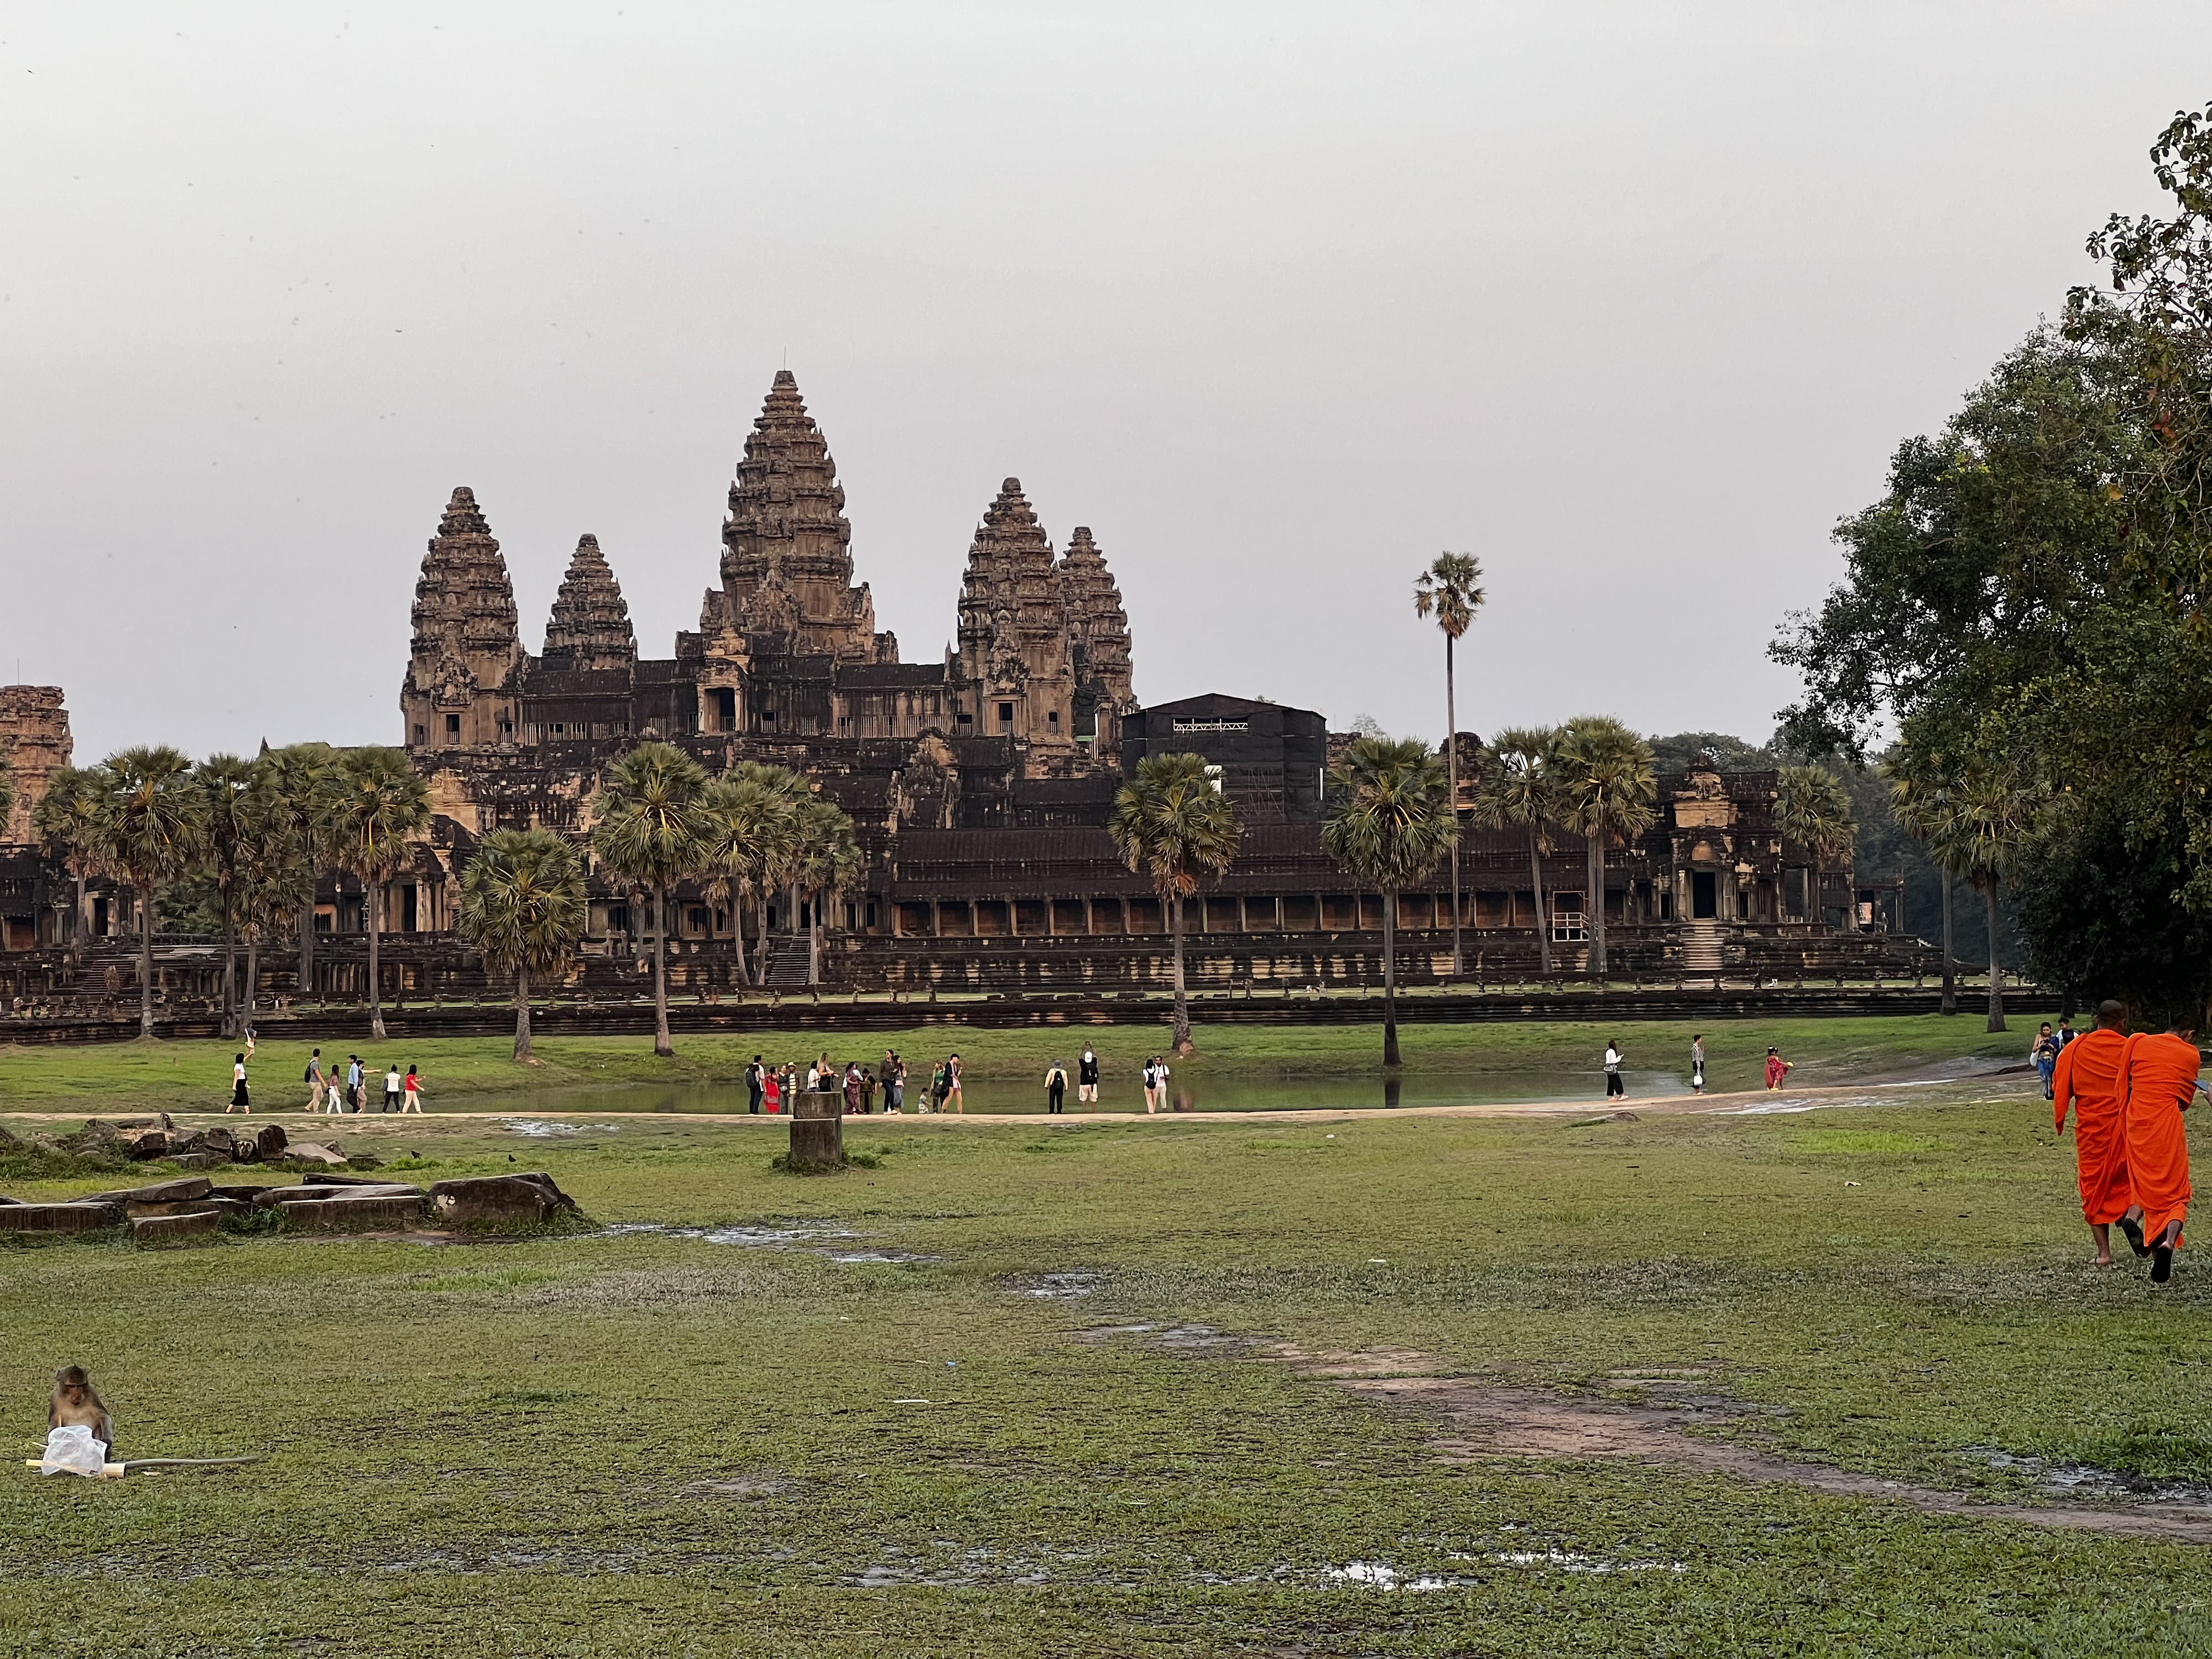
(2161, 1264)
(2134, 1230)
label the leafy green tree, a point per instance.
(67, 824)
(1452, 590)
(1812, 808)
(1522, 789)
(1683, 752)
(1610, 794)
(151, 825)
(647, 832)
(828, 857)
(1172, 823)
(1389, 822)
(226, 783)
(374, 802)
(522, 904)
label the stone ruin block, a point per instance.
(196, 1227)
(531, 1197)
(77, 1217)
(372, 1212)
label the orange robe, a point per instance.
(2158, 1074)
(2089, 1068)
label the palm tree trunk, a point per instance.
(814, 940)
(252, 974)
(1996, 972)
(522, 1014)
(1182, 1001)
(307, 945)
(230, 1023)
(1593, 921)
(146, 962)
(1451, 772)
(759, 962)
(372, 893)
(1391, 1061)
(1543, 921)
(1950, 1002)
(738, 932)
(79, 925)
(661, 1045)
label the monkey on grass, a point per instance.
(77, 1403)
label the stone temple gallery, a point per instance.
(980, 785)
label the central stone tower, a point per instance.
(787, 545)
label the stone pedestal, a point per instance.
(817, 1131)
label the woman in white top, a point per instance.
(240, 1101)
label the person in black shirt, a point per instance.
(753, 1085)
(1055, 1088)
(1086, 1077)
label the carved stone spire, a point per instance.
(466, 644)
(1013, 643)
(590, 627)
(787, 546)
(1098, 639)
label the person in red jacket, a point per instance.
(1777, 1068)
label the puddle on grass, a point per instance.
(1063, 1287)
(2088, 1482)
(821, 1239)
(541, 1129)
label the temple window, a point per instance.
(1052, 721)
(725, 710)
(1005, 713)
(963, 720)
(453, 726)
(421, 734)
(768, 717)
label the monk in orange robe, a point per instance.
(2158, 1079)
(2088, 1078)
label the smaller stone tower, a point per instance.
(467, 651)
(1098, 638)
(1016, 674)
(589, 628)
(34, 741)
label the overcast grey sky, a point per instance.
(1630, 301)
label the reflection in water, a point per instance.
(1247, 1092)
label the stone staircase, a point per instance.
(1701, 948)
(787, 962)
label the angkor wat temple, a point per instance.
(981, 784)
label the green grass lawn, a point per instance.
(196, 1075)
(647, 1444)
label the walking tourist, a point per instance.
(1152, 1075)
(772, 1091)
(852, 1089)
(1160, 1081)
(2045, 1054)
(894, 1084)
(1086, 1078)
(413, 1094)
(1776, 1069)
(867, 1093)
(238, 1099)
(315, 1081)
(356, 1085)
(2088, 1077)
(1613, 1083)
(2158, 1079)
(753, 1087)
(952, 1095)
(1697, 1063)
(1055, 1088)
(392, 1087)
(334, 1099)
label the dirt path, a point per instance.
(1749, 1103)
(1486, 1422)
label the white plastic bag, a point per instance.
(72, 1450)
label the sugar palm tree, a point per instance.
(226, 783)
(1610, 794)
(274, 879)
(1521, 789)
(647, 832)
(150, 829)
(1451, 588)
(67, 824)
(1989, 817)
(779, 794)
(1812, 808)
(296, 779)
(522, 904)
(1172, 823)
(1389, 820)
(1922, 806)
(374, 800)
(828, 856)
(744, 828)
